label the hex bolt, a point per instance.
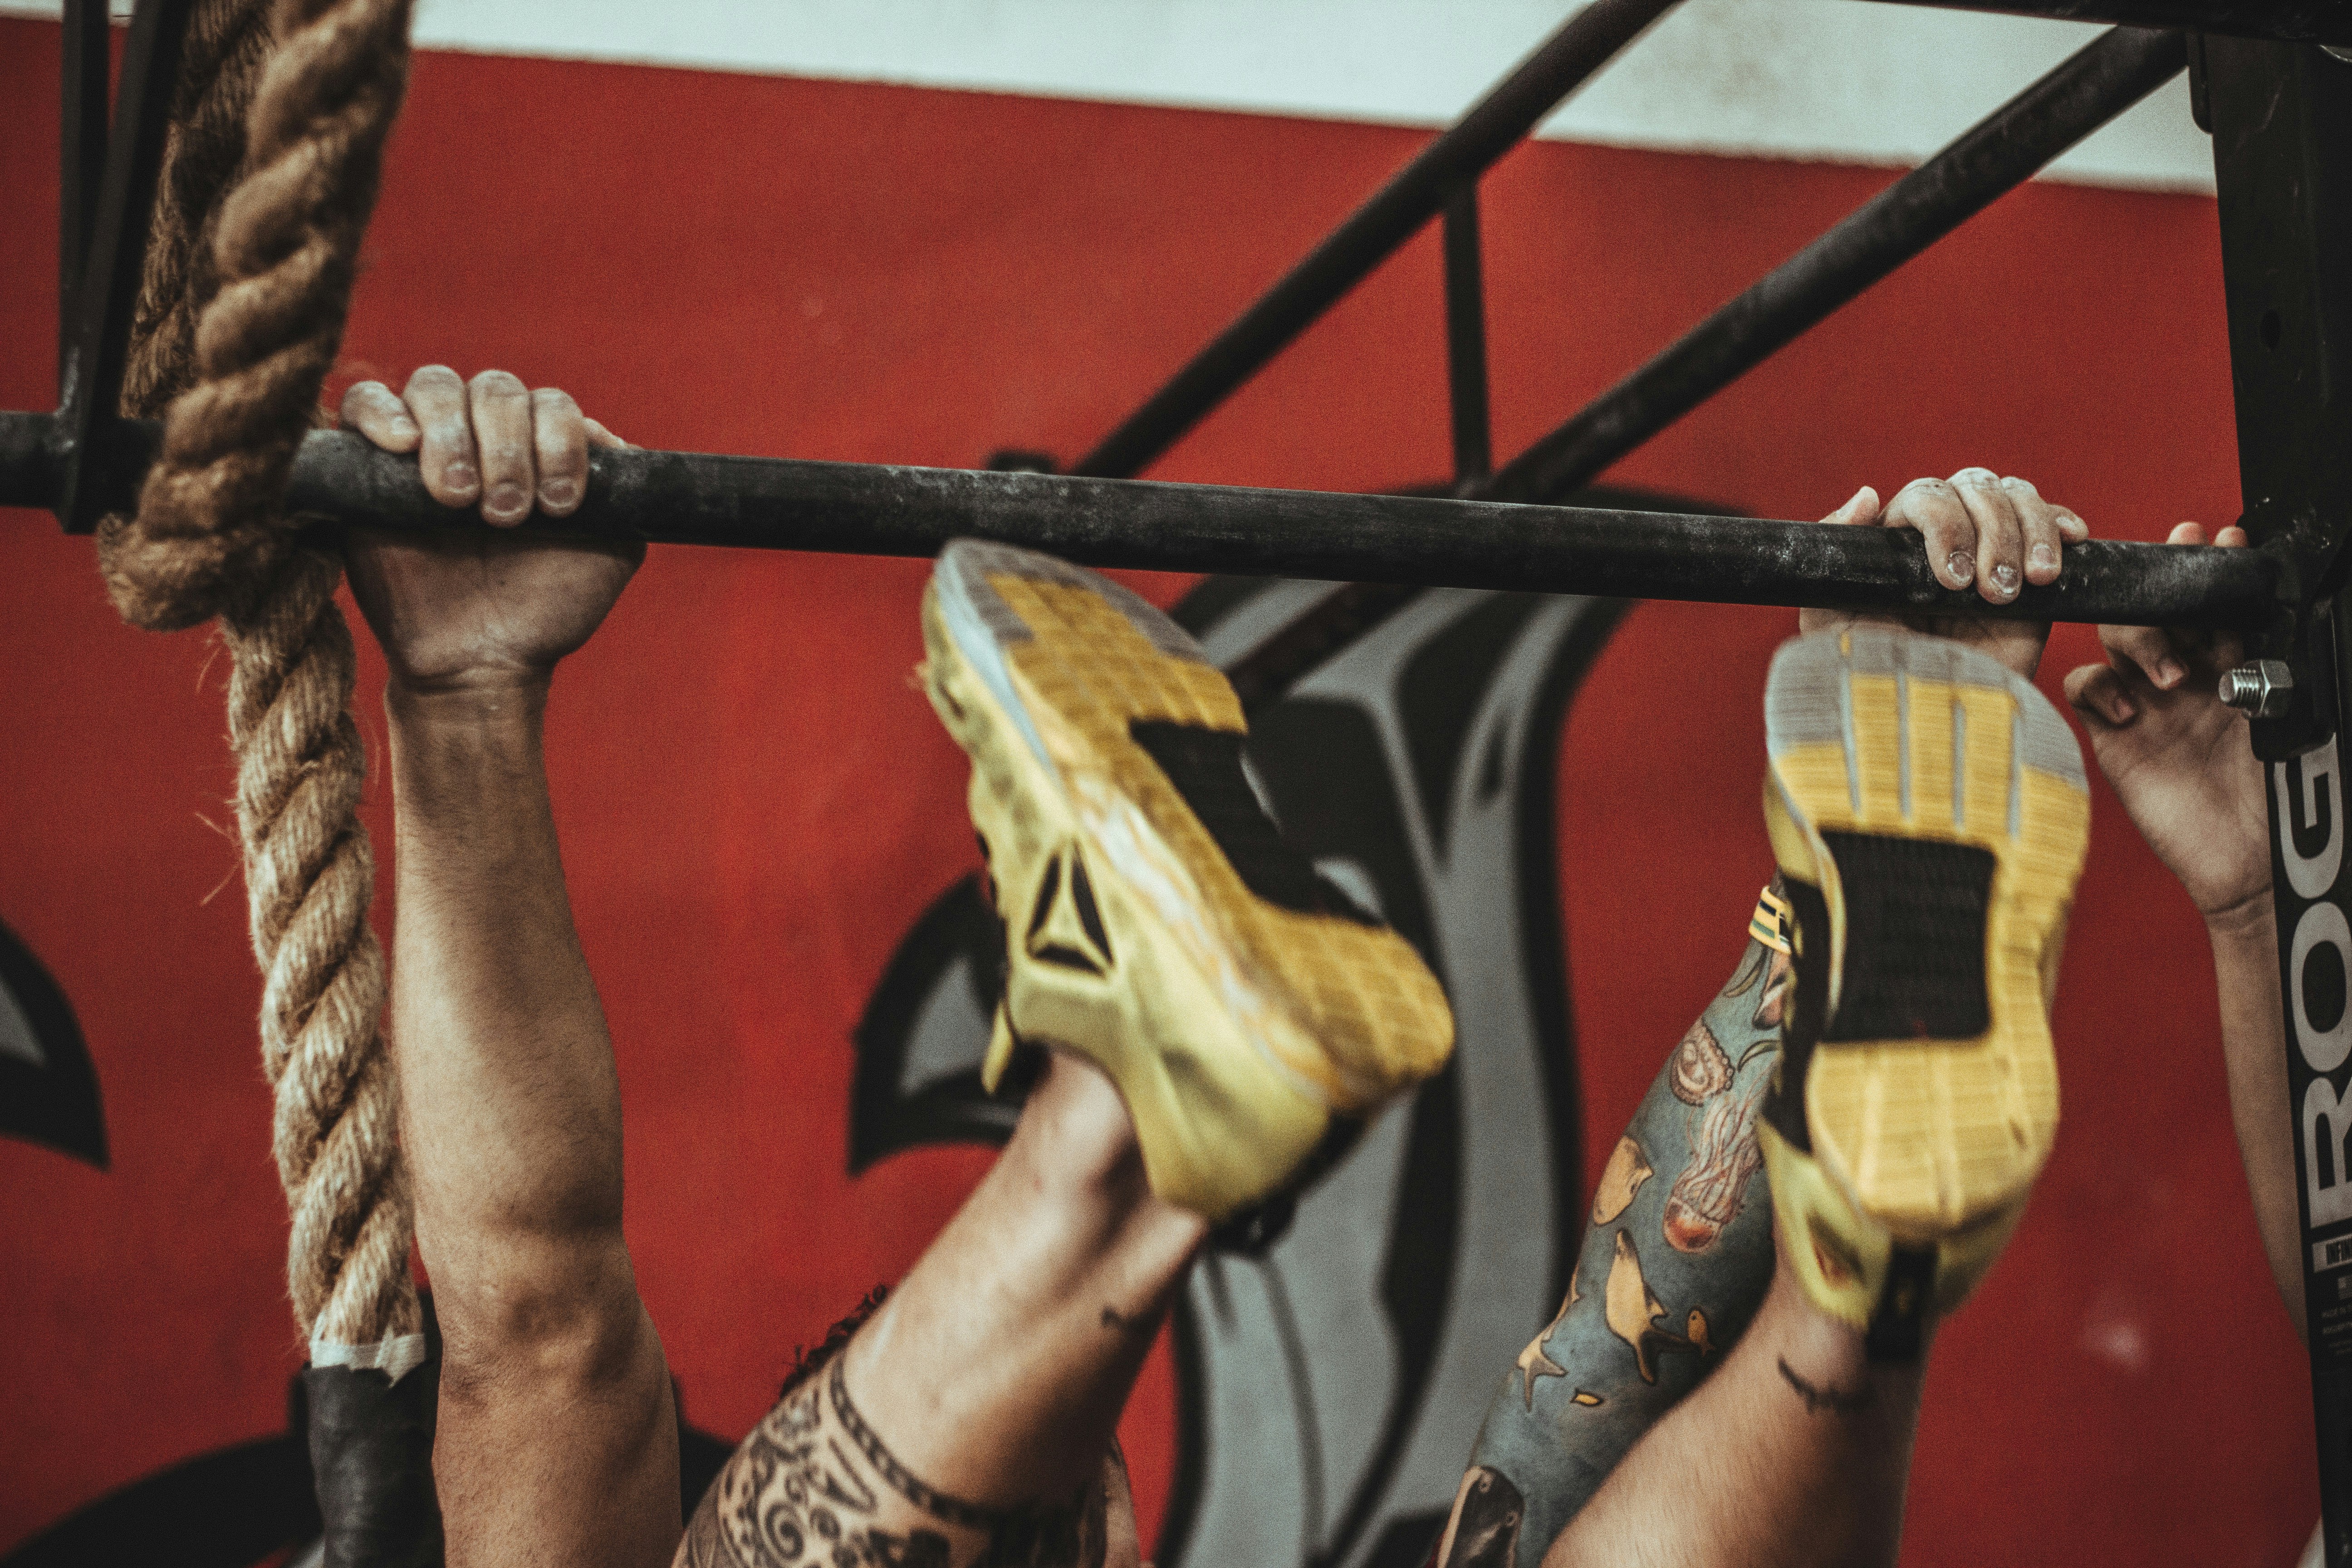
(2260, 689)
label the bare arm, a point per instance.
(557, 1439)
(2181, 764)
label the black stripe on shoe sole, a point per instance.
(1204, 767)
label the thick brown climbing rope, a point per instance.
(241, 315)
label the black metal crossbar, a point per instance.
(769, 503)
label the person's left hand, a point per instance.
(1979, 529)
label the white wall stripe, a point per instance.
(1831, 81)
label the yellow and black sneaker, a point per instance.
(1156, 923)
(1930, 813)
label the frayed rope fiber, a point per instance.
(271, 170)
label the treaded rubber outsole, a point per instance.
(1930, 808)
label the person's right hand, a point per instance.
(2179, 760)
(475, 608)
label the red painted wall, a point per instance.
(755, 803)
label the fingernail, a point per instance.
(2044, 556)
(507, 499)
(460, 477)
(1962, 566)
(2168, 673)
(2004, 578)
(559, 493)
(402, 425)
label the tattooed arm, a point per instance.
(557, 1440)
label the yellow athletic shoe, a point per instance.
(1930, 812)
(1155, 922)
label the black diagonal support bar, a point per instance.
(1495, 124)
(1465, 339)
(2295, 21)
(872, 509)
(2002, 152)
(91, 380)
(2282, 120)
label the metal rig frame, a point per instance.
(2272, 81)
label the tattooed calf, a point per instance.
(815, 1485)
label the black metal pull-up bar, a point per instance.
(687, 498)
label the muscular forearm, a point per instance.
(510, 1109)
(2254, 1044)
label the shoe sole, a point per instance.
(1932, 807)
(1157, 923)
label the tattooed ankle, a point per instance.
(796, 1495)
(1818, 1397)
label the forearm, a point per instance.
(510, 1108)
(2253, 1046)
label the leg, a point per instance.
(1214, 1010)
(1809, 1443)
(1930, 814)
(1675, 1262)
(972, 1414)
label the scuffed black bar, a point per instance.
(2000, 152)
(767, 504)
(1371, 234)
(2288, 21)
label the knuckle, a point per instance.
(1976, 478)
(435, 375)
(498, 384)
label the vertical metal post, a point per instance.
(1466, 337)
(90, 378)
(81, 157)
(2282, 120)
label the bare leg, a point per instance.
(973, 1413)
(1816, 1477)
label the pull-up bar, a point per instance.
(689, 498)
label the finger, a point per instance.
(437, 401)
(1861, 508)
(502, 429)
(2001, 539)
(2097, 694)
(376, 412)
(2187, 533)
(2037, 522)
(1933, 506)
(2231, 538)
(2149, 650)
(2071, 526)
(599, 437)
(558, 434)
